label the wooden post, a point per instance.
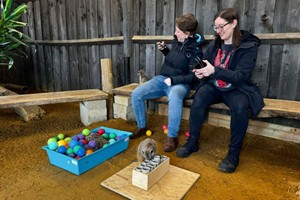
(107, 84)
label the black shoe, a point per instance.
(229, 163)
(187, 149)
(138, 133)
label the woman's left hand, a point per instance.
(205, 71)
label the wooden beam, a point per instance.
(79, 42)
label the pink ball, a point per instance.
(187, 134)
(164, 127)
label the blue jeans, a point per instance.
(156, 88)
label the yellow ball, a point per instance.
(166, 131)
(61, 143)
(148, 133)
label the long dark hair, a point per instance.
(230, 14)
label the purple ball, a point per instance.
(92, 144)
(75, 137)
(73, 155)
(118, 137)
(81, 137)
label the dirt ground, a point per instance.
(269, 169)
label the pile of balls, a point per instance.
(84, 143)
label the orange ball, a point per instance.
(89, 151)
(166, 131)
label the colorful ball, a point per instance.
(81, 152)
(69, 151)
(166, 131)
(88, 152)
(76, 148)
(86, 132)
(111, 141)
(61, 143)
(101, 131)
(61, 136)
(105, 136)
(92, 144)
(187, 134)
(105, 145)
(119, 137)
(68, 139)
(52, 145)
(62, 149)
(148, 133)
(73, 155)
(81, 136)
(75, 137)
(73, 143)
(112, 135)
(54, 139)
(164, 127)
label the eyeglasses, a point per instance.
(221, 27)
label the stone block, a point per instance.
(122, 100)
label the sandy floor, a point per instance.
(269, 169)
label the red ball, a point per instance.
(101, 131)
(187, 134)
(164, 127)
(84, 141)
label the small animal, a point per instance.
(142, 76)
(146, 150)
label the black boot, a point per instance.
(230, 162)
(138, 133)
(188, 148)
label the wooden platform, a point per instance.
(174, 185)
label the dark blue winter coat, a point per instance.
(179, 61)
(240, 67)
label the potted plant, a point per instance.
(12, 40)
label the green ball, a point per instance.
(75, 149)
(54, 139)
(112, 135)
(68, 139)
(105, 136)
(70, 150)
(60, 136)
(105, 145)
(86, 132)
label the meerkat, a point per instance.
(142, 76)
(146, 150)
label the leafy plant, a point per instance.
(12, 40)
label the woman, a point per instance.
(174, 80)
(229, 59)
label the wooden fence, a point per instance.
(72, 36)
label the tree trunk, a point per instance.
(27, 113)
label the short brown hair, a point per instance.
(187, 22)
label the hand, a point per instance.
(161, 45)
(167, 81)
(206, 71)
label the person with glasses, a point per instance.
(229, 59)
(173, 81)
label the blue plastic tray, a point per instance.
(88, 162)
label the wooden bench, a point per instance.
(273, 108)
(92, 102)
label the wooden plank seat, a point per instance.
(273, 108)
(92, 102)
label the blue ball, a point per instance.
(81, 152)
(62, 149)
(73, 143)
(52, 145)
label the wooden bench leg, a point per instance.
(93, 111)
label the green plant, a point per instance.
(12, 40)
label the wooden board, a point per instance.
(173, 185)
(270, 130)
(51, 98)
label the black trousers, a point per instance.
(238, 104)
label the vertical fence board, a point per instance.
(136, 47)
(105, 29)
(150, 30)
(40, 49)
(159, 31)
(64, 56)
(83, 50)
(47, 49)
(189, 6)
(210, 9)
(71, 12)
(53, 7)
(142, 31)
(94, 58)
